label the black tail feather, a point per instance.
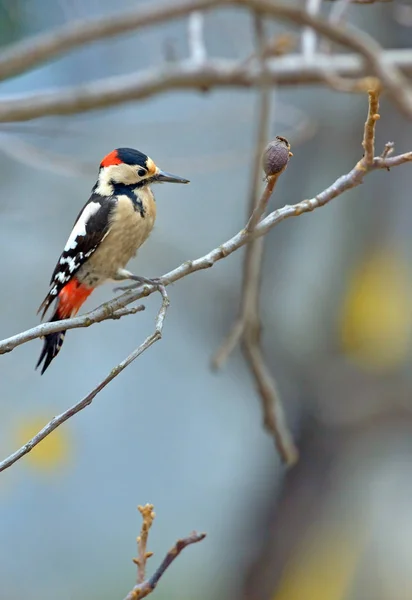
(51, 346)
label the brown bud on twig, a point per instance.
(276, 156)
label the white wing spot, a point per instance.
(61, 276)
(80, 228)
(71, 262)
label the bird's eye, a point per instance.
(141, 172)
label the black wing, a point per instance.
(91, 226)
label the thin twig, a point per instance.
(274, 418)
(147, 521)
(263, 123)
(247, 329)
(109, 310)
(144, 589)
(368, 143)
(261, 205)
(111, 91)
(114, 90)
(388, 149)
(70, 412)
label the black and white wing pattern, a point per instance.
(89, 230)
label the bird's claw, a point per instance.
(138, 281)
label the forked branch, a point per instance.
(144, 587)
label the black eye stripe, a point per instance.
(141, 172)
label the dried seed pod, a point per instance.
(276, 156)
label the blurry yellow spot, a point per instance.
(322, 570)
(376, 318)
(50, 453)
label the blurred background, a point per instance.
(336, 310)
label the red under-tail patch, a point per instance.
(71, 297)
(111, 159)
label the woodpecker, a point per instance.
(116, 220)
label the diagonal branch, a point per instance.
(34, 51)
(146, 587)
(70, 412)
(247, 327)
(147, 521)
(113, 310)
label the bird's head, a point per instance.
(126, 166)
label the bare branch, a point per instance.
(249, 321)
(368, 143)
(274, 418)
(147, 521)
(256, 208)
(247, 327)
(70, 412)
(276, 158)
(111, 91)
(113, 310)
(33, 52)
(144, 589)
(388, 149)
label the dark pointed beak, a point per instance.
(163, 177)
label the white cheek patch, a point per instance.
(80, 228)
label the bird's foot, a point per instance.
(138, 281)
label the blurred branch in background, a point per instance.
(359, 1)
(146, 587)
(247, 327)
(352, 179)
(188, 74)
